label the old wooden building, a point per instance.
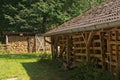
(26, 42)
(93, 36)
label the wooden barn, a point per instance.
(93, 36)
(26, 42)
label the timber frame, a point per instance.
(102, 47)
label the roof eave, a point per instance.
(87, 28)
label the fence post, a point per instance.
(6, 39)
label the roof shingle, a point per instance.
(105, 13)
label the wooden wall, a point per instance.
(102, 47)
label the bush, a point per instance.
(87, 71)
(44, 56)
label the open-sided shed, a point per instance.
(26, 42)
(93, 36)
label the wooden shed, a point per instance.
(26, 42)
(93, 36)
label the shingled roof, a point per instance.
(106, 15)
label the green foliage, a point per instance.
(87, 71)
(40, 15)
(45, 56)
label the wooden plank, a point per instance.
(78, 48)
(80, 54)
(112, 42)
(76, 42)
(97, 48)
(97, 41)
(96, 55)
(77, 36)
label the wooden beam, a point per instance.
(90, 37)
(84, 38)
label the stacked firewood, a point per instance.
(22, 44)
(18, 44)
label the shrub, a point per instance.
(44, 56)
(88, 71)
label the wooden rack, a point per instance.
(113, 49)
(96, 49)
(79, 47)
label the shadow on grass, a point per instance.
(18, 56)
(46, 70)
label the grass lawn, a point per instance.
(30, 67)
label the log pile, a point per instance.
(31, 44)
(5, 48)
(21, 44)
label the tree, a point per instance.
(40, 15)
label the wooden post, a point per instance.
(102, 49)
(6, 43)
(88, 42)
(52, 47)
(6, 39)
(69, 49)
(35, 42)
(44, 45)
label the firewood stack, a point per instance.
(21, 44)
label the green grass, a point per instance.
(31, 67)
(42, 67)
